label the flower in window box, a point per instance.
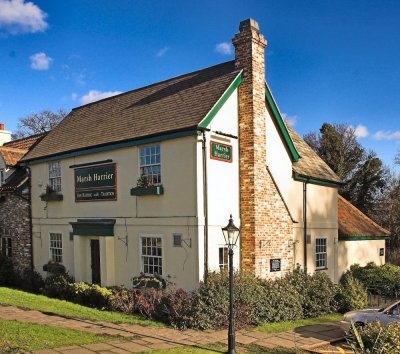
(54, 268)
(50, 194)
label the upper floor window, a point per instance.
(150, 164)
(55, 175)
(56, 252)
(321, 253)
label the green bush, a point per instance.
(375, 338)
(59, 286)
(91, 295)
(351, 294)
(31, 281)
(8, 277)
(380, 280)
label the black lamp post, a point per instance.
(231, 235)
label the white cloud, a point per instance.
(291, 120)
(94, 95)
(40, 61)
(361, 131)
(388, 135)
(18, 16)
(162, 52)
(224, 48)
(74, 96)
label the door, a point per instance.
(95, 261)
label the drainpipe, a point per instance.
(205, 201)
(30, 212)
(305, 224)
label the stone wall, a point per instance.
(15, 222)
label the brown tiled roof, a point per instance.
(173, 105)
(352, 222)
(11, 156)
(25, 143)
(310, 164)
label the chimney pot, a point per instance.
(2, 126)
(249, 23)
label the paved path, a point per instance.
(140, 338)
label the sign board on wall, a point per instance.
(275, 265)
(96, 183)
(221, 152)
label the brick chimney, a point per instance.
(266, 226)
(5, 136)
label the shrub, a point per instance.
(8, 277)
(351, 294)
(380, 280)
(91, 295)
(375, 338)
(59, 286)
(31, 281)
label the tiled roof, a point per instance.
(352, 222)
(25, 143)
(174, 105)
(15, 180)
(11, 156)
(310, 164)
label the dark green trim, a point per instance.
(282, 127)
(93, 227)
(53, 197)
(363, 238)
(116, 146)
(152, 190)
(228, 92)
(314, 180)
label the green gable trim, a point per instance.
(93, 227)
(282, 127)
(228, 92)
(314, 180)
(363, 238)
(110, 147)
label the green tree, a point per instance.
(38, 122)
(362, 171)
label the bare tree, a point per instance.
(397, 158)
(38, 122)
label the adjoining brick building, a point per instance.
(15, 207)
(145, 180)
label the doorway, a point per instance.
(95, 261)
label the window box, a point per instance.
(51, 197)
(54, 268)
(150, 190)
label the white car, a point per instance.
(386, 315)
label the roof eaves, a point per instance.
(218, 105)
(315, 180)
(281, 125)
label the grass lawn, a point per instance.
(22, 336)
(220, 348)
(290, 325)
(68, 309)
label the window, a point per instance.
(223, 259)
(2, 178)
(150, 164)
(320, 253)
(151, 255)
(6, 249)
(55, 176)
(56, 247)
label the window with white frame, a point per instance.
(56, 252)
(150, 164)
(55, 175)
(6, 247)
(223, 254)
(321, 253)
(151, 254)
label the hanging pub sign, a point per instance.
(221, 152)
(275, 265)
(96, 183)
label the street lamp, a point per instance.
(231, 235)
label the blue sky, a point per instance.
(327, 61)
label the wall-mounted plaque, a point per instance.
(220, 151)
(275, 265)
